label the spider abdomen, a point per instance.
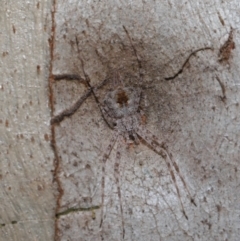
(128, 124)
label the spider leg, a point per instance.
(173, 163)
(117, 176)
(159, 148)
(70, 111)
(143, 104)
(110, 120)
(104, 160)
(186, 61)
(117, 80)
(68, 77)
(87, 79)
(136, 54)
(135, 138)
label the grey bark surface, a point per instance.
(196, 114)
(27, 201)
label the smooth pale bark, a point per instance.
(196, 114)
(27, 202)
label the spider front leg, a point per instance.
(159, 148)
(136, 54)
(72, 109)
(68, 77)
(173, 163)
(93, 91)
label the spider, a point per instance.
(122, 112)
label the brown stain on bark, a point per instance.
(38, 69)
(225, 52)
(46, 137)
(51, 42)
(14, 29)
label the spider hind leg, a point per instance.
(158, 147)
(117, 177)
(104, 160)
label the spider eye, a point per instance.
(131, 137)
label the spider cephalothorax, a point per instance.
(122, 102)
(121, 107)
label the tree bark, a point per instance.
(27, 206)
(183, 55)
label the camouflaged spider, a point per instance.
(122, 112)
